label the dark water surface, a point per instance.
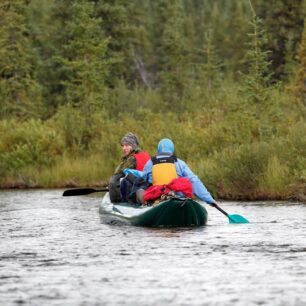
(57, 251)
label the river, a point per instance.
(56, 250)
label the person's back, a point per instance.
(165, 167)
(133, 158)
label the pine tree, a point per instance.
(116, 27)
(299, 84)
(83, 62)
(141, 46)
(47, 32)
(20, 94)
(235, 27)
(210, 74)
(284, 23)
(172, 52)
(228, 23)
(256, 81)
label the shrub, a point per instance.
(28, 143)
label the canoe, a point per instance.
(169, 213)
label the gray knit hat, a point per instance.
(130, 139)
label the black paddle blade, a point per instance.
(82, 191)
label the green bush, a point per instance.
(28, 143)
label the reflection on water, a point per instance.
(57, 251)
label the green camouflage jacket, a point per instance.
(128, 161)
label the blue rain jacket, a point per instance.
(183, 170)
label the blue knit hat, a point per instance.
(165, 146)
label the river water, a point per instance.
(56, 250)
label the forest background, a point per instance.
(224, 79)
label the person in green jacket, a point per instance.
(130, 146)
(133, 158)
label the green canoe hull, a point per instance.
(169, 213)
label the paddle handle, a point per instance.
(220, 209)
(102, 190)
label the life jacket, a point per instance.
(141, 159)
(163, 169)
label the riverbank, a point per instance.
(298, 196)
(249, 153)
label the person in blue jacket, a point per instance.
(164, 167)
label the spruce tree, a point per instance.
(140, 43)
(171, 51)
(255, 82)
(299, 84)
(82, 61)
(47, 30)
(210, 74)
(116, 27)
(228, 23)
(284, 23)
(235, 26)
(20, 94)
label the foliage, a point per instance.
(298, 85)
(255, 82)
(30, 143)
(20, 93)
(76, 75)
(85, 65)
(284, 21)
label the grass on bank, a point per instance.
(72, 172)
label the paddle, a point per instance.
(82, 191)
(231, 218)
